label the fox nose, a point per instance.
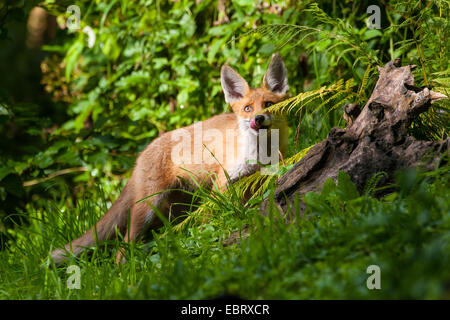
(259, 119)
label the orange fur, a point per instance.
(156, 171)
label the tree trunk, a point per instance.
(375, 140)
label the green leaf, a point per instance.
(371, 33)
(346, 188)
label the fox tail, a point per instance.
(115, 217)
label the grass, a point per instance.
(323, 254)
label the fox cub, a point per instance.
(166, 163)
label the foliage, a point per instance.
(136, 82)
(140, 79)
(75, 116)
(321, 254)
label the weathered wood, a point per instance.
(375, 139)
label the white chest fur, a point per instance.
(247, 161)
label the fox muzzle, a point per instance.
(261, 121)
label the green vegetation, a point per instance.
(74, 118)
(321, 255)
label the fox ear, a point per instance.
(275, 78)
(234, 86)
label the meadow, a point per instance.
(75, 114)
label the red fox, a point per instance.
(167, 163)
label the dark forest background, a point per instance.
(74, 115)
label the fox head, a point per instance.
(248, 103)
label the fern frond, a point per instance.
(256, 183)
(365, 80)
(373, 181)
(306, 98)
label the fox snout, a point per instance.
(261, 121)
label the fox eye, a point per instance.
(248, 108)
(268, 104)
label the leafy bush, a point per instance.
(154, 67)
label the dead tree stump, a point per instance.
(375, 139)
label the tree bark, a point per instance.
(375, 140)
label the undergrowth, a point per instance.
(322, 253)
